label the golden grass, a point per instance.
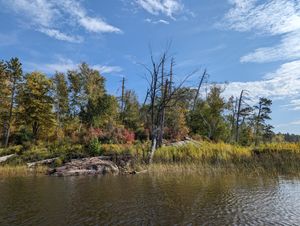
(21, 170)
(203, 152)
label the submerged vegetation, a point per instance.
(71, 115)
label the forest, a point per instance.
(71, 115)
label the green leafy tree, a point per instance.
(35, 103)
(207, 119)
(101, 113)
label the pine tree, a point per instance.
(261, 127)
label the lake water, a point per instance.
(150, 200)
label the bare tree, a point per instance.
(161, 95)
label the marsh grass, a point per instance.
(207, 157)
(21, 170)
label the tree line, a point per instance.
(76, 107)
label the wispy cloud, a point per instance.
(51, 17)
(284, 83)
(288, 49)
(60, 36)
(165, 7)
(276, 18)
(157, 21)
(272, 18)
(79, 15)
(64, 64)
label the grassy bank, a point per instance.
(278, 158)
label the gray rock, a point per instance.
(86, 166)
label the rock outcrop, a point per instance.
(86, 166)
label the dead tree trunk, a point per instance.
(198, 90)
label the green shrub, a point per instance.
(95, 147)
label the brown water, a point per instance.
(150, 200)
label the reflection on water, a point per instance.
(149, 200)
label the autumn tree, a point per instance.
(35, 103)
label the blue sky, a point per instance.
(251, 44)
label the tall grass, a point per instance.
(21, 170)
(203, 152)
(275, 157)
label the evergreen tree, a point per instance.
(263, 111)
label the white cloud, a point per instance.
(79, 14)
(166, 7)
(40, 12)
(107, 69)
(63, 65)
(157, 21)
(284, 83)
(51, 17)
(272, 18)
(97, 25)
(288, 49)
(61, 36)
(278, 18)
